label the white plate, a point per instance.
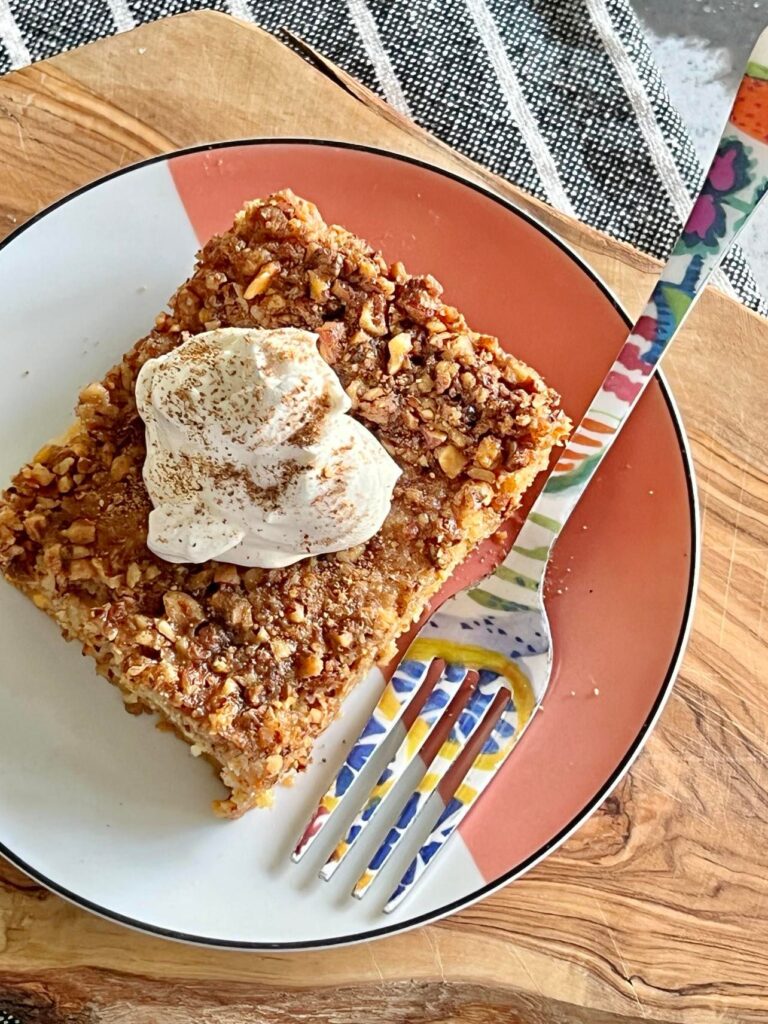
(107, 810)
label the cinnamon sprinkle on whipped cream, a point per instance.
(251, 456)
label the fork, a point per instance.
(499, 629)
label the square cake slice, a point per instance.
(249, 665)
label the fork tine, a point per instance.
(397, 695)
(436, 704)
(496, 750)
(463, 729)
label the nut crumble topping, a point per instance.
(249, 665)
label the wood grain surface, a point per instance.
(657, 908)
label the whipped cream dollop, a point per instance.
(251, 456)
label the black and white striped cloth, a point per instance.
(561, 97)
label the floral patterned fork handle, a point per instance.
(736, 182)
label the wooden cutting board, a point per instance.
(656, 909)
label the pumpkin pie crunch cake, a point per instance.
(250, 665)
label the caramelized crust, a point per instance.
(249, 665)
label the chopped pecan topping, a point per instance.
(251, 664)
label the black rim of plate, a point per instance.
(664, 689)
